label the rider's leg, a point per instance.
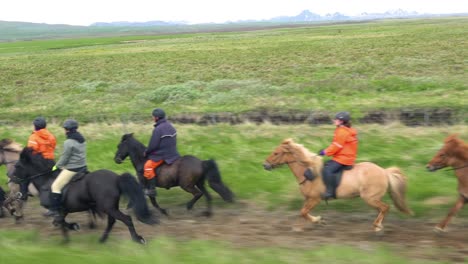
(56, 193)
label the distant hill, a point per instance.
(20, 31)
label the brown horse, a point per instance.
(365, 179)
(453, 154)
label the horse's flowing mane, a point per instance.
(303, 155)
(133, 141)
(10, 145)
(457, 147)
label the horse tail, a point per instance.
(130, 187)
(397, 189)
(211, 172)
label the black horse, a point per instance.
(188, 172)
(2, 199)
(98, 191)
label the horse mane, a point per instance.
(456, 146)
(36, 159)
(10, 145)
(133, 141)
(303, 155)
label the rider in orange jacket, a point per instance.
(343, 150)
(41, 140)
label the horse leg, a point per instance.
(201, 186)
(156, 205)
(196, 195)
(91, 219)
(309, 204)
(383, 209)
(458, 205)
(127, 220)
(110, 224)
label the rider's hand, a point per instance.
(321, 152)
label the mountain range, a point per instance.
(304, 16)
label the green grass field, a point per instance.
(381, 65)
(104, 81)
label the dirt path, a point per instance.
(247, 225)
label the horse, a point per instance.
(98, 191)
(188, 172)
(365, 179)
(454, 153)
(9, 155)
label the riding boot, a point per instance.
(150, 187)
(56, 207)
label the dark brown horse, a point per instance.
(453, 154)
(188, 172)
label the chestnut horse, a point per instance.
(365, 179)
(453, 154)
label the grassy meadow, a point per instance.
(105, 81)
(381, 65)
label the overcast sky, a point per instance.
(85, 12)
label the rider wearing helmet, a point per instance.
(72, 161)
(43, 142)
(343, 150)
(162, 148)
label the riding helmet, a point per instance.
(343, 116)
(39, 123)
(70, 124)
(158, 112)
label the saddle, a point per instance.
(310, 175)
(45, 190)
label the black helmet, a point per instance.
(70, 124)
(39, 123)
(158, 112)
(343, 116)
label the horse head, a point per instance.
(123, 149)
(451, 152)
(282, 154)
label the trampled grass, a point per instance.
(367, 66)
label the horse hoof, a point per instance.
(140, 240)
(439, 230)
(378, 230)
(18, 219)
(315, 219)
(164, 212)
(297, 229)
(75, 226)
(207, 214)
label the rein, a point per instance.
(20, 180)
(464, 166)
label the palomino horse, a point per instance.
(9, 155)
(365, 179)
(453, 154)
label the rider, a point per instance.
(42, 142)
(343, 150)
(162, 148)
(72, 161)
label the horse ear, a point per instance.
(288, 141)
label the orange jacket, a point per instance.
(344, 145)
(42, 141)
